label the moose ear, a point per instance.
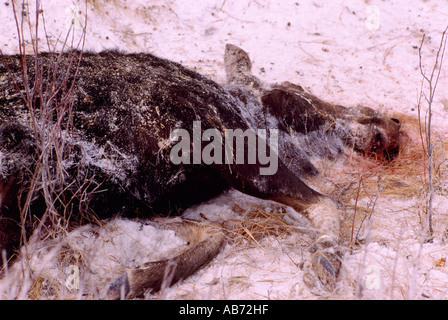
(236, 62)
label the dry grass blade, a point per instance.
(400, 177)
(257, 224)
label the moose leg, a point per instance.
(205, 242)
(322, 266)
(286, 188)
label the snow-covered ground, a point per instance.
(346, 52)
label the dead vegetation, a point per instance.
(46, 96)
(256, 224)
(356, 178)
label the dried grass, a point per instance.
(256, 224)
(403, 176)
(357, 180)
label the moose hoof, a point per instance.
(119, 288)
(322, 269)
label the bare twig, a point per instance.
(428, 146)
(47, 98)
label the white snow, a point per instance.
(346, 52)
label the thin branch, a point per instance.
(428, 147)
